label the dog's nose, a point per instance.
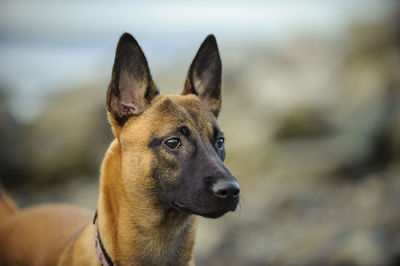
(226, 189)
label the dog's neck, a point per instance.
(133, 229)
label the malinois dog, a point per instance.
(163, 169)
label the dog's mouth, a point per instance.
(180, 207)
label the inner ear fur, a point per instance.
(204, 75)
(131, 88)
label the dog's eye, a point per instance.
(173, 143)
(220, 142)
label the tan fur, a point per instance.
(38, 235)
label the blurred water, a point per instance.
(48, 46)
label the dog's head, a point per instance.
(172, 146)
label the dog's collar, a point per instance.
(102, 254)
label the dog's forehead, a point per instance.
(189, 111)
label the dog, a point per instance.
(163, 169)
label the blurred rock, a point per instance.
(327, 192)
(303, 123)
(12, 170)
(69, 138)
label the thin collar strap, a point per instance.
(102, 254)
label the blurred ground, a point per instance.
(313, 135)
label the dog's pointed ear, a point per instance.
(132, 88)
(204, 75)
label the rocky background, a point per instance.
(313, 135)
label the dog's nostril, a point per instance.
(222, 193)
(225, 189)
(236, 193)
